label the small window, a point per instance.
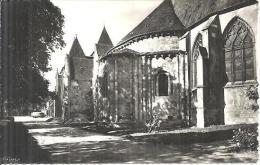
(163, 85)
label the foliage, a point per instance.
(39, 34)
(38, 90)
(65, 105)
(52, 95)
(81, 105)
(246, 138)
(99, 108)
(252, 94)
(90, 106)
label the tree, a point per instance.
(38, 31)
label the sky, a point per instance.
(86, 19)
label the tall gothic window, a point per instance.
(195, 54)
(239, 51)
(163, 84)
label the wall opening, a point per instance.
(163, 85)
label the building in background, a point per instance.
(101, 48)
(73, 87)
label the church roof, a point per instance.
(162, 19)
(78, 59)
(104, 43)
(76, 50)
(176, 15)
(104, 38)
(192, 12)
(103, 49)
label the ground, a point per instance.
(31, 119)
(75, 145)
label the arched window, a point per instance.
(239, 51)
(195, 54)
(163, 84)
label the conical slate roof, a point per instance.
(162, 19)
(76, 50)
(104, 44)
(174, 15)
(104, 38)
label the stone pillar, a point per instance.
(179, 87)
(116, 90)
(113, 103)
(200, 94)
(136, 84)
(108, 92)
(157, 82)
(145, 89)
(184, 89)
(189, 77)
(169, 84)
(150, 87)
(142, 88)
(133, 87)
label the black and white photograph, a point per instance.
(129, 81)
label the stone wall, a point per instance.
(80, 92)
(82, 68)
(214, 97)
(155, 44)
(75, 98)
(238, 106)
(81, 101)
(132, 88)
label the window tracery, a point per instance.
(239, 51)
(195, 54)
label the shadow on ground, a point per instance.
(72, 145)
(18, 146)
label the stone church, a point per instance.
(188, 61)
(73, 85)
